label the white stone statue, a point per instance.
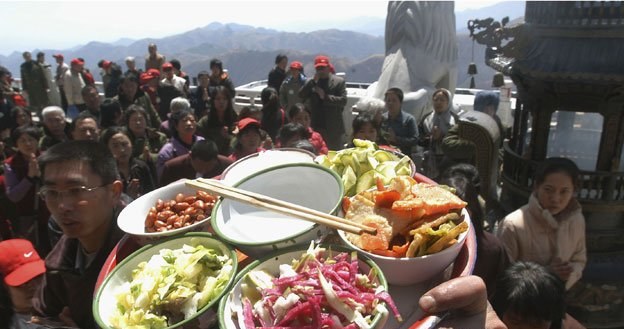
(421, 53)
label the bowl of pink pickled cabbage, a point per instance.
(320, 286)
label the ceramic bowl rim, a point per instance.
(203, 235)
(165, 234)
(217, 229)
(333, 247)
(463, 235)
(257, 154)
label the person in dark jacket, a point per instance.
(200, 98)
(273, 116)
(135, 174)
(81, 190)
(398, 127)
(278, 72)
(203, 160)
(55, 127)
(129, 93)
(218, 77)
(461, 150)
(22, 181)
(326, 95)
(34, 83)
(115, 73)
(220, 123)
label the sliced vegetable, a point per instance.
(318, 290)
(360, 166)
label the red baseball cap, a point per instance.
(144, 78)
(154, 73)
(295, 65)
(106, 64)
(246, 123)
(76, 61)
(19, 262)
(167, 66)
(321, 61)
(58, 56)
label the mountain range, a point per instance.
(248, 52)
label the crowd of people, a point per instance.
(66, 177)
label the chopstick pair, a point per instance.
(279, 206)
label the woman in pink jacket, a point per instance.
(550, 229)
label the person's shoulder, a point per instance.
(167, 148)
(62, 255)
(407, 116)
(178, 161)
(427, 116)
(337, 79)
(138, 162)
(516, 217)
(153, 133)
(224, 160)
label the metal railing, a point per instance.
(596, 187)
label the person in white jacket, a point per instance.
(73, 84)
(550, 229)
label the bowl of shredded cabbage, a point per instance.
(328, 286)
(167, 285)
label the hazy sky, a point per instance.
(27, 25)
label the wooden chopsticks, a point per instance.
(279, 206)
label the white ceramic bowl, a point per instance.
(256, 231)
(232, 301)
(132, 218)
(105, 302)
(411, 270)
(256, 162)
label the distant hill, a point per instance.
(249, 52)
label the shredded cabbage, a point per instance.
(316, 290)
(172, 286)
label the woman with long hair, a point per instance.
(220, 123)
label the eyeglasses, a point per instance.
(74, 193)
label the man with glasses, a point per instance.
(327, 96)
(81, 189)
